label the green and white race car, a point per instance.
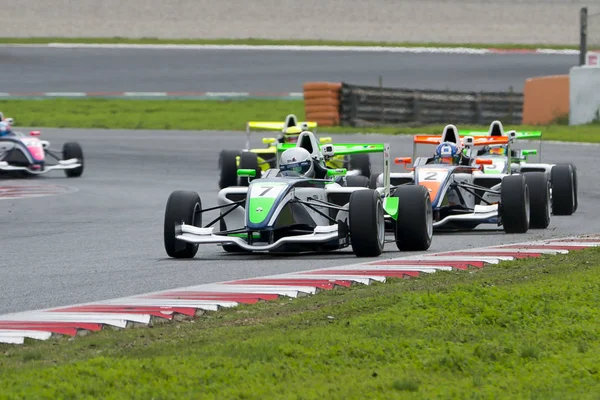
(505, 159)
(284, 213)
(265, 158)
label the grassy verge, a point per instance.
(263, 42)
(522, 329)
(213, 115)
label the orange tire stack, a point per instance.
(322, 102)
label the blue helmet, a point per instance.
(447, 153)
(5, 128)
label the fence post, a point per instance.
(583, 20)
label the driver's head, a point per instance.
(447, 153)
(290, 135)
(296, 162)
(5, 128)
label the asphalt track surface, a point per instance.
(104, 239)
(34, 69)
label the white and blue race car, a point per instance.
(294, 214)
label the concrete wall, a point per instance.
(483, 21)
(584, 94)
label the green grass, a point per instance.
(263, 42)
(521, 329)
(214, 115)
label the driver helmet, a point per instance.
(5, 128)
(291, 134)
(296, 162)
(447, 153)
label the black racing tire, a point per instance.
(575, 187)
(367, 223)
(249, 160)
(357, 181)
(228, 168)
(515, 204)
(563, 189)
(413, 229)
(73, 150)
(373, 181)
(362, 162)
(182, 207)
(539, 199)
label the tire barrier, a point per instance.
(546, 99)
(322, 102)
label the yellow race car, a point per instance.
(262, 159)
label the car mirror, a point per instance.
(35, 133)
(402, 160)
(336, 172)
(250, 173)
(484, 161)
(269, 140)
(324, 140)
(529, 152)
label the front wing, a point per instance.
(62, 165)
(195, 235)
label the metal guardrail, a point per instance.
(373, 105)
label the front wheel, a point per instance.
(564, 199)
(249, 160)
(514, 200)
(367, 223)
(182, 207)
(73, 150)
(539, 199)
(228, 168)
(413, 228)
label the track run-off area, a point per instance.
(100, 236)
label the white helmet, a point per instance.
(296, 162)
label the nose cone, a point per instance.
(37, 153)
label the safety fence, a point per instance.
(332, 104)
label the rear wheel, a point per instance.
(249, 160)
(563, 189)
(373, 181)
(357, 181)
(539, 199)
(413, 230)
(182, 207)
(362, 162)
(367, 224)
(228, 168)
(73, 150)
(514, 199)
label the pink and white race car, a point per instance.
(30, 155)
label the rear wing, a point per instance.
(477, 140)
(277, 126)
(518, 135)
(467, 141)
